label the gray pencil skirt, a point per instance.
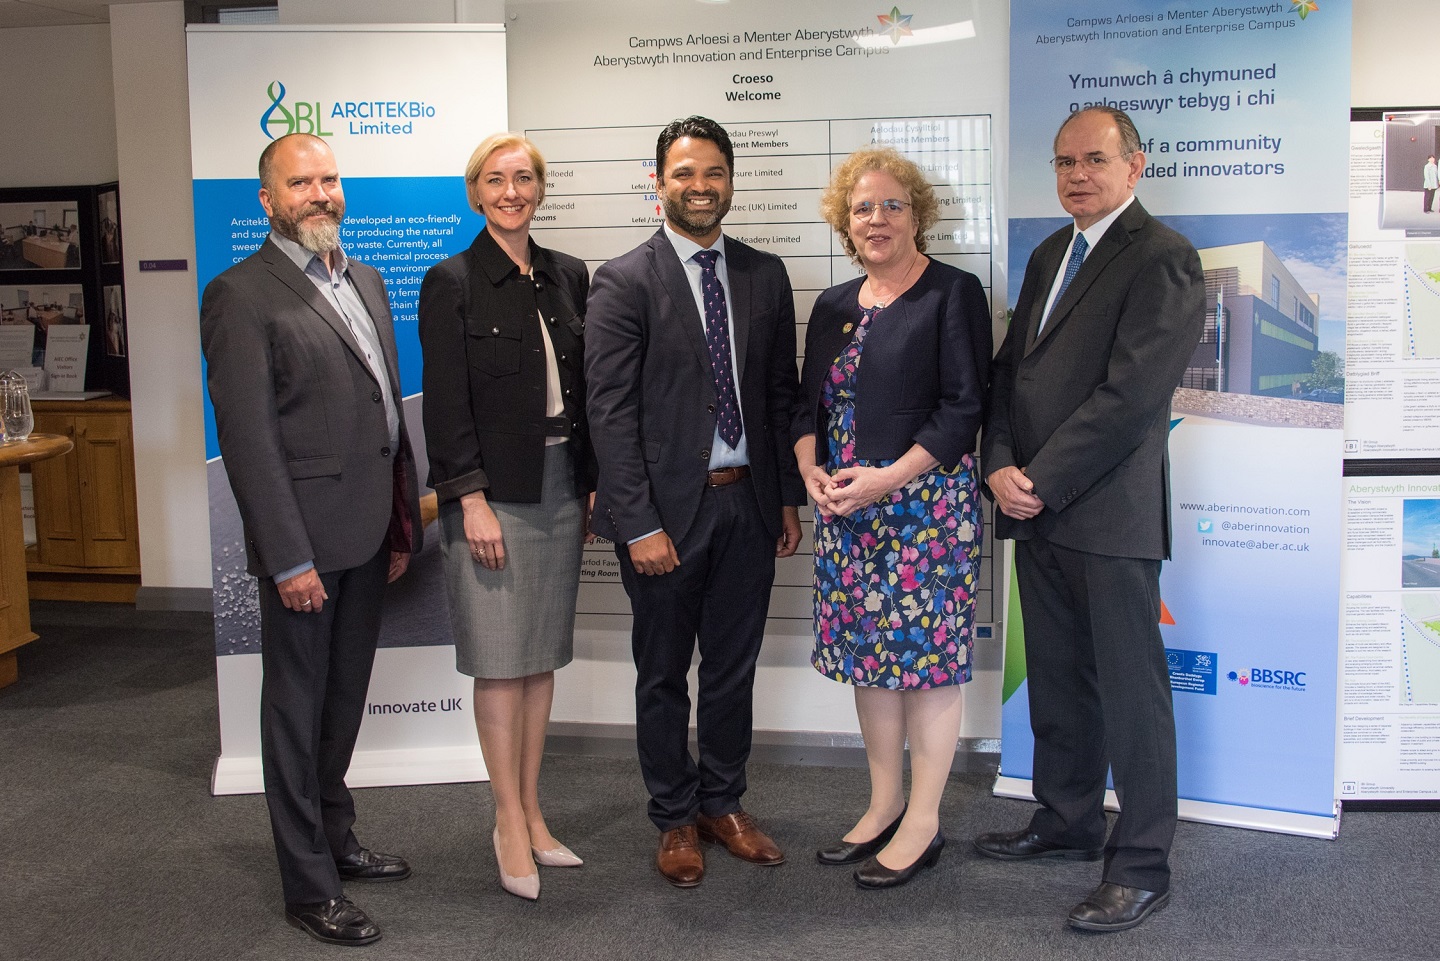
(520, 620)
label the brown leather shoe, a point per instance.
(741, 836)
(679, 859)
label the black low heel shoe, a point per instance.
(873, 874)
(853, 852)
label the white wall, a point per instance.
(1393, 54)
(57, 90)
(152, 111)
(391, 11)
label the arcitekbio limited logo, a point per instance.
(361, 118)
(1268, 678)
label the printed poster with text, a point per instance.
(1390, 712)
(1243, 115)
(1392, 358)
(397, 105)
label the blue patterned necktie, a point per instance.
(1072, 267)
(717, 339)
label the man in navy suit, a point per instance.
(691, 379)
(1075, 457)
(302, 366)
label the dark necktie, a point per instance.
(717, 339)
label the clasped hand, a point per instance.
(848, 489)
(1014, 493)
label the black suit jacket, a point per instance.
(923, 374)
(301, 419)
(652, 393)
(1084, 406)
(484, 379)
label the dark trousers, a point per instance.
(719, 596)
(1429, 199)
(1100, 696)
(312, 699)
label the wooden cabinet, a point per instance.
(14, 598)
(88, 544)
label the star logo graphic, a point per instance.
(1304, 7)
(897, 24)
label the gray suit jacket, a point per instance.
(1084, 407)
(651, 392)
(301, 419)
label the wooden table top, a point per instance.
(36, 447)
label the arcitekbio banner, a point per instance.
(402, 107)
(1242, 110)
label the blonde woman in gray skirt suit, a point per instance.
(510, 460)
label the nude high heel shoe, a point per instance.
(557, 857)
(527, 887)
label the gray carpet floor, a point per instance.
(111, 847)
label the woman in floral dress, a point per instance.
(896, 365)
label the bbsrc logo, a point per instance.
(1269, 678)
(303, 117)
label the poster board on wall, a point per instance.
(399, 107)
(1242, 115)
(798, 86)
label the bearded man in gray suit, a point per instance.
(302, 371)
(1075, 458)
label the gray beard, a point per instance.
(319, 238)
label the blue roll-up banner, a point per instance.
(402, 107)
(1243, 112)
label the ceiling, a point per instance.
(47, 13)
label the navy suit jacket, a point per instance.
(651, 392)
(1084, 404)
(301, 419)
(924, 370)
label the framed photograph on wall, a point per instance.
(114, 323)
(108, 202)
(40, 235)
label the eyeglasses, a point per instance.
(1063, 165)
(888, 208)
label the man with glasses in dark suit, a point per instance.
(1075, 458)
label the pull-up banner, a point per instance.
(1243, 115)
(402, 107)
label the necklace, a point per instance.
(881, 300)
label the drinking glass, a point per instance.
(15, 411)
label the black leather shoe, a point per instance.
(872, 874)
(337, 921)
(1114, 907)
(1025, 846)
(368, 865)
(853, 852)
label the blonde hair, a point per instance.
(493, 143)
(835, 201)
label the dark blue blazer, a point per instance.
(923, 374)
(651, 392)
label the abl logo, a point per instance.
(279, 120)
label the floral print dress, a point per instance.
(895, 582)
